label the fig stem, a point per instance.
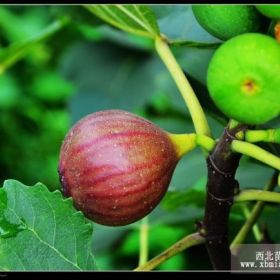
(260, 195)
(183, 143)
(255, 228)
(206, 142)
(256, 152)
(233, 123)
(144, 242)
(186, 142)
(270, 135)
(186, 242)
(194, 107)
(254, 215)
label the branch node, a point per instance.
(220, 201)
(215, 168)
(229, 137)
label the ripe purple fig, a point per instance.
(117, 166)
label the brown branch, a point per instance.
(221, 187)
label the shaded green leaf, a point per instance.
(15, 52)
(42, 231)
(175, 199)
(137, 19)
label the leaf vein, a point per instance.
(137, 20)
(136, 7)
(47, 244)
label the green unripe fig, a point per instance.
(227, 21)
(243, 78)
(271, 11)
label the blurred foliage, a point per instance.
(68, 64)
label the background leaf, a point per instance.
(11, 54)
(51, 234)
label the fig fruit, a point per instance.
(227, 21)
(116, 166)
(243, 78)
(270, 11)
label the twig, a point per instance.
(187, 242)
(249, 195)
(256, 153)
(255, 213)
(195, 109)
(144, 244)
(256, 230)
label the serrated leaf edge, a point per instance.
(67, 200)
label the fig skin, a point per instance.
(227, 21)
(116, 166)
(270, 11)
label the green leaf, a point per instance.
(15, 52)
(137, 19)
(39, 230)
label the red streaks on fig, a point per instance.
(116, 166)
